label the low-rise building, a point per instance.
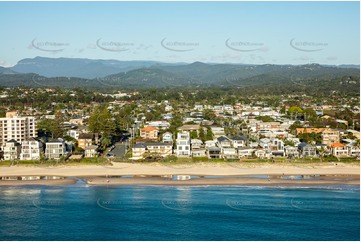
(214, 153)
(85, 140)
(245, 152)
(307, 150)
(91, 151)
(31, 149)
(149, 132)
(339, 149)
(183, 144)
(12, 150)
(55, 149)
(139, 151)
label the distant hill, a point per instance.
(76, 67)
(69, 73)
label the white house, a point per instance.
(245, 152)
(31, 149)
(91, 151)
(73, 133)
(229, 153)
(183, 144)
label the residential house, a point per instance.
(31, 149)
(245, 152)
(199, 153)
(138, 151)
(217, 132)
(12, 150)
(85, 140)
(149, 132)
(238, 141)
(309, 130)
(276, 147)
(159, 149)
(353, 150)
(224, 142)
(307, 150)
(196, 144)
(262, 154)
(330, 136)
(190, 128)
(73, 133)
(91, 151)
(167, 137)
(55, 149)
(162, 125)
(183, 144)
(214, 153)
(229, 153)
(210, 143)
(264, 143)
(268, 126)
(291, 152)
(339, 149)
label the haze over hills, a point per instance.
(110, 74)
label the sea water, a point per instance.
(82, 212)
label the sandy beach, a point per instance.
(343, 172)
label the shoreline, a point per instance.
(159, 174)
(228, 180)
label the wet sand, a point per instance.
(248, 181)
(52, 182)
(335, 173)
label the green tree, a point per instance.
(102, 121)
(202, 135)
(209, 135)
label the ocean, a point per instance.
(252, 213)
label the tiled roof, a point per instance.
(337, 144)
(148, 128)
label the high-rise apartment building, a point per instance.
(15, 127)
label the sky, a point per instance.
(212, 32)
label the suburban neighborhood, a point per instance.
(138, 130)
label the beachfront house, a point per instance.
(307, 150)
(245, 152)
(140, 150)
(12, 150)
(214, 152)
(291, 151)
(31, 149)
(183, 144)
(224, 142)
(339, 149)
(91, 151)
(229, 153)
(55, 149)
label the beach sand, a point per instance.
(199, 169)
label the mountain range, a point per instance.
(110, 74)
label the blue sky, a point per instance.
(221, 32)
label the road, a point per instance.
(119, 150)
